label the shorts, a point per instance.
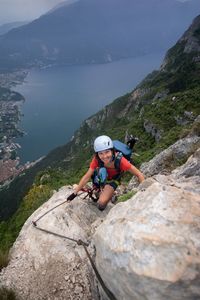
(99, 178)
(113, 183)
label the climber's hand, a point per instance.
(71, 197)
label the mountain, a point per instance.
(92, 31)
(61, 4)
(8, 26)
(163, 109)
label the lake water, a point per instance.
(58, 99)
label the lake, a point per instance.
(58, 99)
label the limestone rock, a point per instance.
(190, 168)
(153, 130)
(44, 266)
(169, 159)
(152, 242)
(173, 156)
(191, 41)
(146, 248)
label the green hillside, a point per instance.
(159, 111)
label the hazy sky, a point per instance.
(22, 10)
(25, 10)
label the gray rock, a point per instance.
(146, 248)
(173, 156)
(190, 168)
(152, 243)
(44, 266)
(153, 130)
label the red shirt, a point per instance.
(125, 165)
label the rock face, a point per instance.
(152, 242)
(168, 159)
(146, 248)
(192, 42)
(151, 128)
(44, 266)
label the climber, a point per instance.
(105, 160)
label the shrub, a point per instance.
(3, 259)
(7, 294)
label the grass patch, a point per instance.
(126, 196)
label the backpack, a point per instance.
(123, 150)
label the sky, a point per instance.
(26, 10)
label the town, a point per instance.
(10, 117)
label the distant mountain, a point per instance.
(61, 4)
(8, 26)
(93, 31)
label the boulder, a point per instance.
(190, 168)
(151, 243)
(171, 157)
(44, 266)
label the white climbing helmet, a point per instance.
(102, 143)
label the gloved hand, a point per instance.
(71, 197)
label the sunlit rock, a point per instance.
(151, 243)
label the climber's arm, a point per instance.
(133, 170)
(84, 180)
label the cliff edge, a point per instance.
(150, 242)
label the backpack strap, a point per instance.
(117, 161)
(100, 163)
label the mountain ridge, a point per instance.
(94, 32)
(4, 28)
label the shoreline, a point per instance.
(10, 118)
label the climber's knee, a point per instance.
(101, 206)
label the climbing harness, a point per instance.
(79, 242)
(92, 192)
